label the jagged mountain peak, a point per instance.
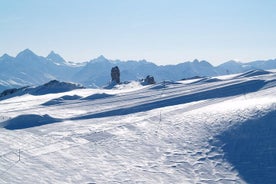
(206, 63)
(55, 57)
(27, 53)
(230, 63)
(6, 57)
(233, 62)
(52, 52)
(195, 61)
(100, 59)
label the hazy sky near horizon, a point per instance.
(161, 31)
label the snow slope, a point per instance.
(215, 130)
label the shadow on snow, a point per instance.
(28, 121)
(225, 91)
(251, 148)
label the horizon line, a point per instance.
(136, 60)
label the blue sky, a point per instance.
(161, 31)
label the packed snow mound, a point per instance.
(28, 121)
(62, 99)
(253, 73)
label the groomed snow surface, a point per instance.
(216, 130)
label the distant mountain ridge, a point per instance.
(27, 68)
(53, 86)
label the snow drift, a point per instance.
(28, 121)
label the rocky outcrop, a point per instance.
(149, 80)
(12, 91)
(115, 74)
(53, 86)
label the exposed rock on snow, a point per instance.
(149, 80)
(53, 86)
(115, 74)
(12, 91)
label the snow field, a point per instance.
(172, 133)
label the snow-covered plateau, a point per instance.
(205, 130)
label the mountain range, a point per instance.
(27, 69)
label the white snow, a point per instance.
(166, 133)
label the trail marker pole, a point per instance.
(19, 156)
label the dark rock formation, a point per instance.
(53, 86)
(115, 74)
(12, 91)
(149, 80)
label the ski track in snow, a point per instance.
(160, 136)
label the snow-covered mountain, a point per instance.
(56, 58)
(201, 130)
(27, 68)
(232, 67)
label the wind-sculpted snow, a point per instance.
(253, 73)
(251, 148)
(206, 80)
(207, 132)
(163, 85)
(28, 121)
(61, 100)
(97, 96)
(217, 91)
